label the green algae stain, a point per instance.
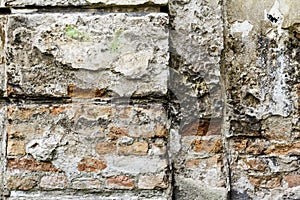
(75, 34)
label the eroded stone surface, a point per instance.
(196, 41)
(262, 74)
(23, 3)
(73, 140)
(3, 20)
(87, 56)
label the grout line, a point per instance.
(144, 8)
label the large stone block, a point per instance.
(196, 43)
(261, 63)
(23, 3)
(86, 55)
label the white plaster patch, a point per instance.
(276, 17)
(242, 27)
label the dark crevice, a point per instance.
(5, 11)
(95, 8)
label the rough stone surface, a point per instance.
(53, 182)
(3, 20)
(86, 55)
(196, 43)
(149, 99)
(261, 67)
(23, 3)
(22, 183)
(88, 144)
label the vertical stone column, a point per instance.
(197, 151)
(3, 20)
(262, 78)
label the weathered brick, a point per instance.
(161, 131)
(86, 184)
(255, 164)
(106, 148)
(277, 128)
(205, 164)
(120, 182)
(54, 182)
(66, 58)
(284, 149)
(137, 148)
(15, 148)
(265, 181)
(202, 128)
(27, 164)
(208, 146)
(22, 182)
(256, 147)
(240, 144)
(150, 182)
(292, 180)
(192, 163)
(117, 132)
(91, 165)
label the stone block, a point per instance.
(54, 182)
(81, 55)
(91, 3)
(292, 180)
(86, 184)
(150, 182)
(15, 148)
(3, 20)
(22, 182)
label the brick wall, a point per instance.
(149, 99)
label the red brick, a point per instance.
(91, 165)
(292, 180)
(75, 91)
(120, 182)
(27, 164)
(265, 181)
(208, 146)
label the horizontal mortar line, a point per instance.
(66, 100)
(143, 8)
